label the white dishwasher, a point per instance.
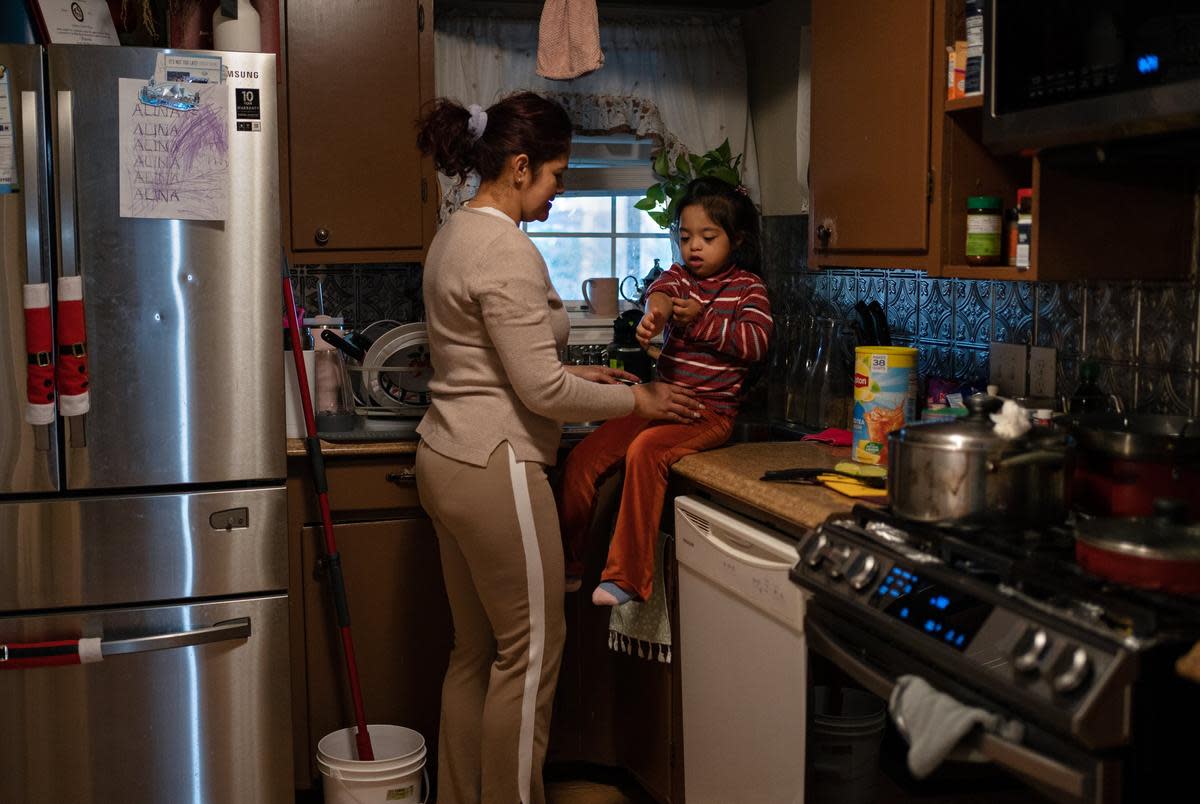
(742, 659)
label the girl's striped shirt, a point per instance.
(713, 353)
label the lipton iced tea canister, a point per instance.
(885, 392)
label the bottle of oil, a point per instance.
(1089, 397)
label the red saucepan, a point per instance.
(1127, 461)
(1159, 552)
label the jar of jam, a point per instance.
(985, 221)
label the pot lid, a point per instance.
(975, 431)
(1139, 435)
(1165, 536)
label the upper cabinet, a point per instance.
(870, 141)
(893, 164)
(356, 189)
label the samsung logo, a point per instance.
(241, 73)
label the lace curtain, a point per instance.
(681, 81)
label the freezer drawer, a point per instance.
(102, 551)
(190, 724)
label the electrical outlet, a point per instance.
(1042, 372)
(1007, 361)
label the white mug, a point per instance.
(600, 294)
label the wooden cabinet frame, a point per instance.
(1099, 212)
(424, 198)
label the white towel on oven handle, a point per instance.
(934, 724)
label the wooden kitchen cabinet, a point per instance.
(893, 162)
(400, 618)
(869, 170)
(1096, 214)
(354, 185)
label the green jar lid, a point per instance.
(984, 202)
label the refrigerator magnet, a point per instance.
(8, 152)
(77, 22)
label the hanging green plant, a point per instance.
(662, 197)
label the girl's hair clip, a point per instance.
(741, 190)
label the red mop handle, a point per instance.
(313, 444)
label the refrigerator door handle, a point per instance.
(66, 183)
(220, 632)
(32, 183)
(39, 327)
(71, 371)
(27, 655)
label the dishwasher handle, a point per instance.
(740, 551)
(18, 655)
(1070, 784)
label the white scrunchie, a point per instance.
(478, 121)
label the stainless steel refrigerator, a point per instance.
(147, 525)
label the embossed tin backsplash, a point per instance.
(1143, 334)
(362, 294)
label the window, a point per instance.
(593, 229)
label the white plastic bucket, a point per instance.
(396, 774)
(845, 732)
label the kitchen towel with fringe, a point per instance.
(644, 629)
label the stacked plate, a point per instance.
(397, 370)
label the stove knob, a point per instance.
(1029, 650)
(863, 572)
(1075, 674)
(816, 549)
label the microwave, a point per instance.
(1073, 72)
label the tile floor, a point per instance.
(579, 791)
(581, 783)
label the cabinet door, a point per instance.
(354, 91)
(400, 621)
(870, 150)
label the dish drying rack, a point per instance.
(394, 409)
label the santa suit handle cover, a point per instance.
(72, 364)
(39, 352)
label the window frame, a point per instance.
(613, 235)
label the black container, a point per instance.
(625, 352)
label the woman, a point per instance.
(499, 396)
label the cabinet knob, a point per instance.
(321, 236)
(823, 234)
(405, 477)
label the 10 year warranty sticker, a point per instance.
(249, 109)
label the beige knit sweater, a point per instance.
(496, 330)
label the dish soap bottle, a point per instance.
(1089, 397)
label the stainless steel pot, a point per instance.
(959, 472)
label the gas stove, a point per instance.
(1003, 619)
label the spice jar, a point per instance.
(984, 223)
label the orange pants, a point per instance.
(648, 449)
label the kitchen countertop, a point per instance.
(295, 448)
(733, 472)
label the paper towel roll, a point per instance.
(293, 406)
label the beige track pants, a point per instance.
(502, 559)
